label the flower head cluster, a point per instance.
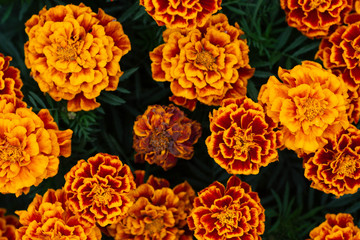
(234, 212)
(74, 53)
(163, 134)
(97, 189)
(309, 104)
(10, 82)
(48, 217)
(335, 168)
(315, 18)
(30, 146)
(8, 225)
(181, 14)
(243, 138)
(337, 226)
(158, 212)
(205, 64)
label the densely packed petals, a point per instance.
(180, 13)
(309, 104)
(335, 168)
(316, 18)
(97, 189)
(8, 225)
(30, 146)
(10, 82)
(243, 138)
(163, 134)
(205, 64)
(48, 217)
(337, 226)
(234, 212)
(74, 53)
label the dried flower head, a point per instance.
(163, 134)
(8, 225)
(243, 138)
(335, 168)
(205, 64)
(234, 212)
(337, 226)
(316, 18)
(97, 189)
(10, 82)
(48, 217)
(181, 14)
(310, 105)
(74, 53)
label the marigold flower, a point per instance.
(48, 217)
(8, 225)
(10, 82)
(74, 53)
(337, 226)
(315, 18)
(30, 146)
(181, 14)
(206, 64)
(163, 134)
(234, 212)
(242, 137)
(310, 105)
(97, 189)
(158, 212)
(335, 167)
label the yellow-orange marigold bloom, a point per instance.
(243, 138)
(337, 226)
(205, 64)
(234, 212)
(335, 168)
(163, 134)
(316, 18)
(8, 226)
(30, 147)
(10, 82)
(97, 189)
(180, 13)
(49, 217)
(310, 105)
(74, 53)
(158, 212)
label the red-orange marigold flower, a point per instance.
(8, 226)
(97, 189)
(180, 13)
(48, 217)
(206, 64)
(335, 168)
(234, 212)
(243, 138)
(337, 226)
(163, 134)
(74, 53)
(310, 105)
(158, 212)
(316, 18)
(30, 147)
(10, 82)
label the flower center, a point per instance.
(347, 166)
(102, 195)
(312, 108)
(10, 153)
(316, 3)
(68, 52)
(243, 142)
(205, 58)
(159, 141)
(228, 217)
(155, 226)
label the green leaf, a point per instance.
(128, 73)
(111, 99)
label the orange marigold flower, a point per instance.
(315, 18)
(163, 134)
(30, 146)
(8, 226)
(180, 13)
(74, 53)
(310, 105)
(10, 82)
(337, 226)
(97, 189)
(335, 168)
(243, 138)
(49, 217)
(158, 212)
(234, 212)
(206, 64)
